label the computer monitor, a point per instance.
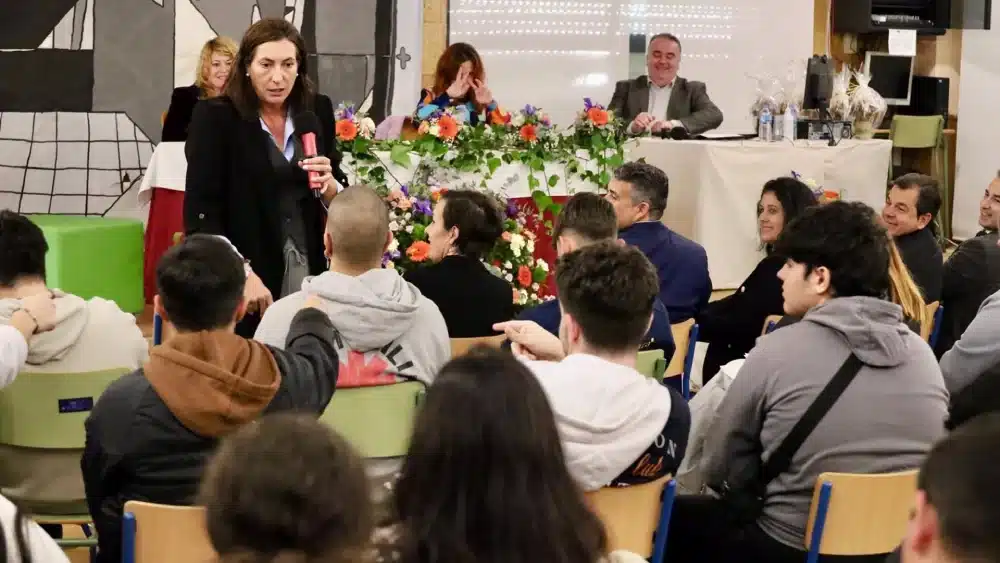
(891, 76)
(819, 83)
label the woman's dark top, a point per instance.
(922, 255)
(731, 326)
(175, 124)
(470, 298)
(234, 190)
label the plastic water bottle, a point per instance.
(764, 129)
(788, 124)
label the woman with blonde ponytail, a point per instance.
(903, 291)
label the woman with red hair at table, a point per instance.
(460, 83)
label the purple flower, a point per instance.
(587, 104)
(512, 210)
(405, 189)
(529, 110)
(422, 206)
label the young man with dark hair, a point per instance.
(836, 274)
(957, 509)
(587, 218)
(618, 426)
(85, 336)
(911, 206)
(149, 435)
(639, 195)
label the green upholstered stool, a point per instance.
(95, 257)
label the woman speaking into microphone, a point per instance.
(250, 176)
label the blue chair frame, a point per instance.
(663, 528)
(157, 330)
(817, 533)
(128, 536)
(936, 331)
(689, 361)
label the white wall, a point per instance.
(554, 54)
(977, 159)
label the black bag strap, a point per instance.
(781, 459)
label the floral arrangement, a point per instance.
(354, 130)
(443, 124)
(512, 258)
(822, 195)
(593, 116)
(531, 124)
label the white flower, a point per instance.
(542, 264)
(390, 265)
(530, 246)
(534, 286)
(488, 132)
(516, 251)
(408, 216)
(508, 277)
(522, 297)
(516, 241)
(507, 265)
(393, 246)
(434, 130)
(409, 229)
(393, 226)
(517, 120)
(367, 128)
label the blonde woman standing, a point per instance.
(214, 65)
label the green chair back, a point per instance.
(651, 363)
(917, 131)
(47, 410)
(377, 421)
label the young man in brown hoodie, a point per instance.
(151, 432)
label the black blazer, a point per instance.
(470, 298)
(689, 103)
(922, 255)
(231, 188)
(731, 326)
(970, 276)
(175, 124)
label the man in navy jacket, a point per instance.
(586, 219)
(639, 195)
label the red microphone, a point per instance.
(306, 127)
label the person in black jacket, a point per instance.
(466, 225)
(247, 172)
(911, 207)
(731, 326)
(151, 432)
(214, 66)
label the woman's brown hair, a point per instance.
(287, 488)
(240, 90)
(451, 60)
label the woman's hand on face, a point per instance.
(322, 166)
(461, 84)
(483, 94)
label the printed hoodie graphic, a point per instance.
(385, 326)
(213, 382)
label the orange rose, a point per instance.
(524, 276)
(505, 236)
(346, 130)
(447, 127)
(598, 116)
(529, 134)
(418, 251)
(436, 194)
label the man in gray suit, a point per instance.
(661, 101)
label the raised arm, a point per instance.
(207, 166)
(309, 363)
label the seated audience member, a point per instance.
(37, 314)
(732, 325)
(23, 541)
(384, 327)
(618, 426)
(889, 416)
(972, 273)
(214, 63)
(971, 368)
(911, 207)
(956, 515)
(585, 219)
(460, 84)
(287, 485)
(85, 336)
(485, 478)
(639, 193)
(151, 432)
(660, 100)
(466, 225)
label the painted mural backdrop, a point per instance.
(86, 82)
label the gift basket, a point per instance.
(840, 99)
(868, 107)
(766, 98)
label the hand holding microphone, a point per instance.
(320, 169)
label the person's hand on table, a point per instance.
(37, 314)
(530, 341)
(257, 295)
(659, 126)
(641, 122)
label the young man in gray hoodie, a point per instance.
(837, 275)
(385, 327)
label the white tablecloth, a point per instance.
(714, 185)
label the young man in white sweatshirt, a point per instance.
(618, 427)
